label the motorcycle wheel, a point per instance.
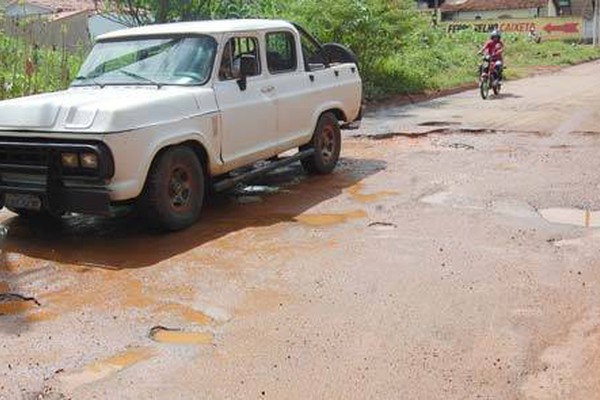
(496, 89)
(484, 87)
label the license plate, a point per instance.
(23, 201)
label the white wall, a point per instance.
(100, 24)
(495, 14)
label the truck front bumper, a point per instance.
(33, 176)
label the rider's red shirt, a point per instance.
(494, 49)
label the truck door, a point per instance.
(290, 86)
(248, 115)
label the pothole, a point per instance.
(259, 189)
(437, 198)
(444, 130)
(456, 146)
(329, 219)
(572, 216)
(383, 226)
(162, 334)
(439, 123)
(105, 368)
(587, 133)
(15, 303)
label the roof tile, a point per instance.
(488, 5)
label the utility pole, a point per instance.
(596, 21)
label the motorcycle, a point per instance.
(488, 78)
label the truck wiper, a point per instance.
(89, 78)
(140, 77)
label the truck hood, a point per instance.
(96, 110)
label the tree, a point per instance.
(143, 12)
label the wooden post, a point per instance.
(595, 22)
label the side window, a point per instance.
(314, 57)
(233, 51)
(281, 52)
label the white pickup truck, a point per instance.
(160, 114)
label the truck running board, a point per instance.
(229, 183)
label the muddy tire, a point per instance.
(496, 89)
(327, 143)
(174, 190)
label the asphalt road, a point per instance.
(453, 254)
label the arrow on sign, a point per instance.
(570, 27)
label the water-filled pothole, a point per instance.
(176, 336)
(572, 216)
(439, 123)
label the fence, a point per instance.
(70, 32)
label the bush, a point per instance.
(48, 70)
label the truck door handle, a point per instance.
(267, 89)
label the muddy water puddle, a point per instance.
(162, 334)
(572, 216)
(330, 219)
(107, 367)
(186, 313)
(357, 192)
(12, 304)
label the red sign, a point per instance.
(570, 27)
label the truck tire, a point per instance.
(174, 191)
(337, 53)
(327, 143)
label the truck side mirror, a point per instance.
(248, 67)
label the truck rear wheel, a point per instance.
(327, 143)
(174, 191)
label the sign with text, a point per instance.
(549, 28)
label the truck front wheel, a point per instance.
(174, 190)
(327, 143)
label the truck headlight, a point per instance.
(70, 160)
(89, 160)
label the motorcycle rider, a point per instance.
(495, 48)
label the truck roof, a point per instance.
(199, 27)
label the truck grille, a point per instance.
(37, 156)
(12, 156)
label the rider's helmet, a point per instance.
(495, 34)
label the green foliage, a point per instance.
(52, 69)
(432, 60)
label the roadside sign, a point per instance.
(549, 28)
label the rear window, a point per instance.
(281, 52)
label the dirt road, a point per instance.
(454, 254)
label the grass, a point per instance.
(441, 62)
(524, 57)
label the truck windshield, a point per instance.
(154, 61)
